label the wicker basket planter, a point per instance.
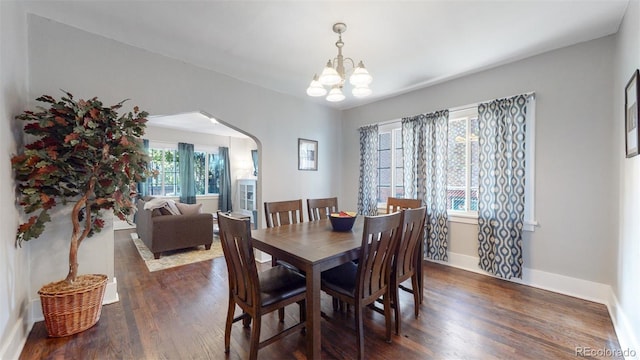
(68, 311)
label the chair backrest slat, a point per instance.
(280, 213)
(321, 208)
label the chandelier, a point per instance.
(334, 74)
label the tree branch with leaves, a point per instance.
(84, 153)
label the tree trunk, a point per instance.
(77, 235)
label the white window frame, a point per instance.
(155, 145)
(390, 127)
(464, 216)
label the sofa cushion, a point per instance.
(189, 209)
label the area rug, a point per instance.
(170, 259)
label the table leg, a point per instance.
(314, 345)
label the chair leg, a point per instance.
(417, 294)
(303, 310)
(227, 327)
(255, 338)
(395, 299)
(387, 315)
(303, 315)
(281, 314)
(246, 321)
(359, 331)
(420, 281)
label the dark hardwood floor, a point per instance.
(180, 313)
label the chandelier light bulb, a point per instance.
(315, 88)
(329, 76)
(361, 91)
(335, 94)
(360, 76)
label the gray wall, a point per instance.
(573, 188)
(14, 269)
(626, 235)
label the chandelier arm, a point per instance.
(353, 63)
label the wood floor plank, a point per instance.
(179, 313)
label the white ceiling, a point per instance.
(405, 45)
(196, 122)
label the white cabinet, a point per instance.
(247, 197)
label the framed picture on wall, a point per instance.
(632, 136)
(307, 154)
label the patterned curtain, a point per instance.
(187, 177)
(224, 199)
(367, 190)
(424, 143)
(501, 187)
(143, 186)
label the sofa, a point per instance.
(161, 231)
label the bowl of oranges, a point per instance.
(343, 220)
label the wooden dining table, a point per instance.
(312, 247)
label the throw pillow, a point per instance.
(189, 209)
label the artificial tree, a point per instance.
(81, 153)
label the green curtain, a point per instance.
(143, 186)
(224, 200)
(254, 157)
(187, 178)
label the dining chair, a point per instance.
(397, 204)
(278, 213)
(361, 284)
(321, 208)
(256, 293)
(405, 260)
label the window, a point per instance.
(165, 160)
(207, 167)
(390, 163)
(462, 167)
(462, 163)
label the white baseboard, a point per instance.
(262, 257)
(11, 346)
(629, 344)
(583, 289)
(122, 225)
(111, 292)
(110, 297)
(565, 285)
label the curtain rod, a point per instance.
(457, 108)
